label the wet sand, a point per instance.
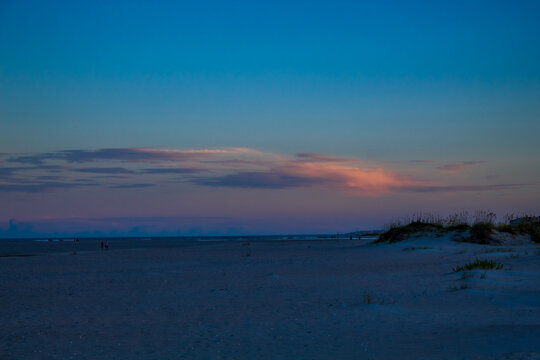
(268, 300)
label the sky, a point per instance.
(136, 118)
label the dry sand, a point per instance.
(268, 300)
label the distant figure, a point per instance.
(359, 236)
(106, 244)
(101, 244)
(350, 238)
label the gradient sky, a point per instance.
(200, 118)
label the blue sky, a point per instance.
(384, 83)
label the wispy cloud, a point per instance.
(188, 170)
(461, 188)
(361, 178)
(128, 155)
(131, 186)
(6, 173)
(263, 180)
(460, 166)
(9, 172)
(104, 170)
(322, 158)
(229, 167)
(306, 170)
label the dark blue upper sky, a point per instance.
(347, 67)
(485, 41)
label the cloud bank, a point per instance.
(128, 168)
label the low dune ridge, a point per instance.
(481, 230)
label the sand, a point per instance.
(268, 300)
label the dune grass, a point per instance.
(482, 264)
(480, 226)
(399, 233)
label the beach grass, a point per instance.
(400, 232)
(480, 226)
(483, 264)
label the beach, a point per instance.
(290, 299)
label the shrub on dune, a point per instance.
(480, 233)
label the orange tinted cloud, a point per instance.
(268, 170)
(360, 179)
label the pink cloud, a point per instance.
(357, 180)
(350, 175)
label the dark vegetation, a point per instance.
(479, 226)
(399, 233)
(483, 264)
(530, 226)
(480, 233)
(370, 234)
(458, 227)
